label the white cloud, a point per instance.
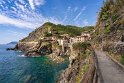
(25, 24)
(78, 15)
(85, 22)
(21, 7)
(75, 9)
(11, 36)
(39, 2)
(18, 23)
(22, 1)
(65, 18)
(67, 12)
(34, 3)
(25, 17)
(31, 4)
(68, 9)
(16, 33)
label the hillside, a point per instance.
(110, 21)
(109, 30)
(49, 29)
(41, 39)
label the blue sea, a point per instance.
(14, 68)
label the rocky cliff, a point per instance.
(45, 32)
(109, 30)
(41, 39)
(80, 60)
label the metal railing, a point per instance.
(93, 74)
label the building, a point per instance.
(63, 42)
(84, 37)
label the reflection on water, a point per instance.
(16, 69)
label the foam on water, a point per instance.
(22, 55)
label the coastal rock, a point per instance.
(76, 68)
(116, 48)
(122, 38)
(56, 58)
(32, 54)
(70, 74)
(120, 49)
(10, 49)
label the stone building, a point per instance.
(84, 37)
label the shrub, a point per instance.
(47, 34)
(104, 16)
(122, 59)
(81, 46)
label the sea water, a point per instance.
(15, 68)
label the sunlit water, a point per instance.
(16, 69)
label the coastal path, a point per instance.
(110, 71)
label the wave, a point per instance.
(22, 56)
(27, 56)
(18, 51)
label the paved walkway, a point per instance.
(110, 71)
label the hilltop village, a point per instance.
(51, 38)
(66, 41)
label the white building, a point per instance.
(84, 37)
(62, 42)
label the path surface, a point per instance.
(110, 71)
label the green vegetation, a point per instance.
(110, 26)
(84, 53)
(110, 13)
(82, 72)
(105, 13)
(49, 29)
(122, 59)
(81, 47)
(47, 34)
(71, 30)
(88, 28)
(107, 27)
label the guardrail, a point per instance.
(93, 75)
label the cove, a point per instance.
(16, 69)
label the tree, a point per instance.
(81, 47)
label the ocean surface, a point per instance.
(14, 68)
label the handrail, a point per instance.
(98, 76)
(93, 74)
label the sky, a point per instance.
(19, 17)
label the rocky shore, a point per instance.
(79, 64)
(57, 59)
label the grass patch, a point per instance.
(82, 72)
(122, 59)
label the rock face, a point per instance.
(39, 41)
(122, 38)
(109, 30)
(79, 64)
(116, 48)
(42, 48)
(110, 23)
